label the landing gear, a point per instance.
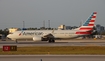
(16, 41)
(51, 40)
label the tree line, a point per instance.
(4, 32)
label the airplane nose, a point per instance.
(8, 36)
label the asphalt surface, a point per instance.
(52, 57)
(57, 43)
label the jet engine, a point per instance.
(37, 38)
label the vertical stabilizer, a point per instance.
(88, 25)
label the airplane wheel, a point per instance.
(51, 40)
(16, 41)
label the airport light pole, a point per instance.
(44, 23)
(23, 24)
(49, 24)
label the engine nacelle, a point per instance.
(37, 38)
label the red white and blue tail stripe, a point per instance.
(87, 27)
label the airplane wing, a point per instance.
(50, 35)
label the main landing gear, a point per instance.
(51, 40)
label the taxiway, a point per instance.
(52, 57)
(57, 43)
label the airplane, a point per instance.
(52, 35)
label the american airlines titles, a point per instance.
(32, 33)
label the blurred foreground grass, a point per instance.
(60, 50)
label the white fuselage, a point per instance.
(29, 34)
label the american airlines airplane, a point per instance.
(51, 35)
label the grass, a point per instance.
(64, 50)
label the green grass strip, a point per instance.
(60, 50)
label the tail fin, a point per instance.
(88, 25)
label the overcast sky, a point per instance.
(34, 12)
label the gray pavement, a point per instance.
(52, 57)
(57, 43)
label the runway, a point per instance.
(52, 57)
(57, 43)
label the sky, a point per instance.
(34, 12)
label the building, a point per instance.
(69, 27)
(11, 30)
(99, 28)
(62, 27)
